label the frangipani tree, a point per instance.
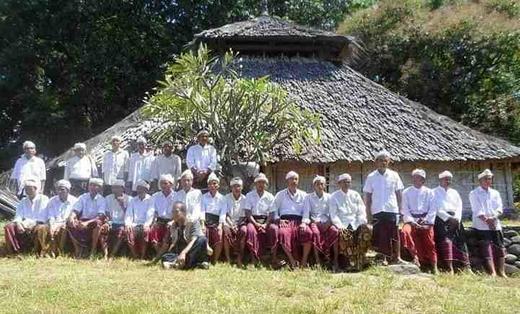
(247, 117)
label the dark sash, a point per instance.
(261, 219)
(212, 220)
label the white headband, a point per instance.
(118, 182)
(419, 172)
(143, 183)
(187, 174)
(80, 146)
(28, 144)
(96, 181)
(261, 177)
(319, 179)
(445, 174)
(291, 174)
(116, 138)
(344, 176)
(167, 177)
(213, 177)
(485, 173)
(63, 184)
(236, 181)
(141, 140)
(383, 153)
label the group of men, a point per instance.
(185, 228)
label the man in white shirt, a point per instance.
(257, 208)
(288, 212)
(113, 230)
(167, 163)
(201, 159)
(486, 208)
(382, 190)
(163, 205)
(214, 211)
(79, 169)
(316, 218)
(59, 209)
(28, 166)
(115, 164)
(138, 220)
(139, 166)
(190, 197)
(348, 215)
(86, 219)
(20, 234)
(417, 235)
(235, 229)
(448, 229)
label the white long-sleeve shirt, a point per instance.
(214, 205)
(487, 203)
(285, 203)
(193, 202)
(140, 168)
(418, 202)
(235, 207)
(163, 204)
(202, 157)
(259, 205)
(114, 166)
(80, 168)
(29, 212)
(383, 188)
(58, 211)
(347, 209)
(115, 211)
(315, 208)
(166, 165)
(88, 207)
(24, 169)
(445, 201)
(140, 212)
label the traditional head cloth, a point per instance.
(167, 143)
(261, 177)
(28, 144)
(63, 184)
(202, 131)
(344, 176)
(236, 181)
(485, 173)
(187, 174)
(167, 177)
(383, 154)
(419, 172)
(291, 174)
(80, 146)
(118, 182)
(116, 138)
(143, 183)
(213, 177)
(445, 174)
(319, 179)
(31, 182)
(96, 181)
(141, 140)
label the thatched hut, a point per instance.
(359, 116)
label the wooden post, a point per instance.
(509, 183)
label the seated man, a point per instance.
(288, 212)
(190, 197)
(188, 248)
(201, 159)
(235, 226)
(138, 220)
(348, 214)
(214, 211)
(257, 208)
(88, 214)
(486, 206)
(20, 234)
(419, 217)
(59, 210)
(162, 204)
(113, 230)
(79, 169)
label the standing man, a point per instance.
(257, 207)
(138, 220)
(163, 205)
(382, 190)
(214, 213)
(59, 210)
(167, 163)
(348, 214)
(288, 212)
(139, 166)
(113, 230)
(201, 159)
(79, 169)
(486, 207)
(115, 164)
(417, 235)
(190, 197)
(28, 166)
(87, 217)
(448, 229)
(30, 214)
(235, 226)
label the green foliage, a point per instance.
(516, 191)
(247, 117)
(511, 7)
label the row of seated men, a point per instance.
(185, 227)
